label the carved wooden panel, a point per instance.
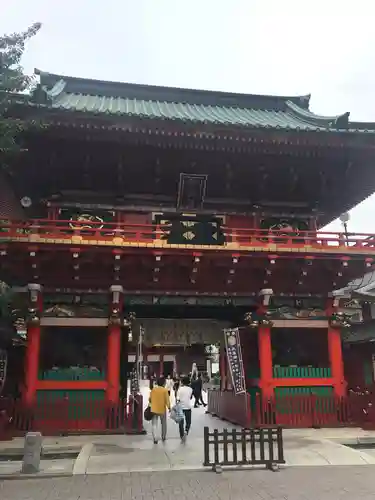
(182, 331)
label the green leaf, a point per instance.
(13, 81)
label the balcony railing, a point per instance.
(72, 374)
(301, 372)
(122, 234)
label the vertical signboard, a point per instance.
(234, 358)
(140, 353)
(3, 368)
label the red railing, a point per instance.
(294, 410)
(138, 233)
(64, 416)
(303, 411)
(230, 407)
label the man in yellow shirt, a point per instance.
(159, 402)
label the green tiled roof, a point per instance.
(186, 106)
(364, 332)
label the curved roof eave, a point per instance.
(359, 287)
(338, 121)
(171, 94)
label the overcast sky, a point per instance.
(322, 47)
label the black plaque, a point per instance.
(234, 357)
(190, 229)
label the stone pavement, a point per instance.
(53, 467)
(308, 483)
(119, 453)
(137, 455)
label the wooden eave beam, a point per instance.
(170, 129)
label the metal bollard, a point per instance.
(31, 453)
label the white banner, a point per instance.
(3, 368)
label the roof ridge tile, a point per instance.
(204, 107)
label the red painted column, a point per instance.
(33, 343)
(114, 345)
(113, 363)
(265, 361)
(335, 357)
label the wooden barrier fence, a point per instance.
(243, 447)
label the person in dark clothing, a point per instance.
(176, 385)
(194, 384)
(152, 381)
(198, 387)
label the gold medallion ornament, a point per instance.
(86, 221)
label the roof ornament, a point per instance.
(305, 100)
(42, 94)
(341, 122)
(57, 89)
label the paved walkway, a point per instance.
(120, 454)
(323, 483)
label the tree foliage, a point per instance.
(14, 84)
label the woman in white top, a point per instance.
(184, 395)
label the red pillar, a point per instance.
(113, 363)
(33, 343)
(114, 345)
(335, 357)
(265, 361)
